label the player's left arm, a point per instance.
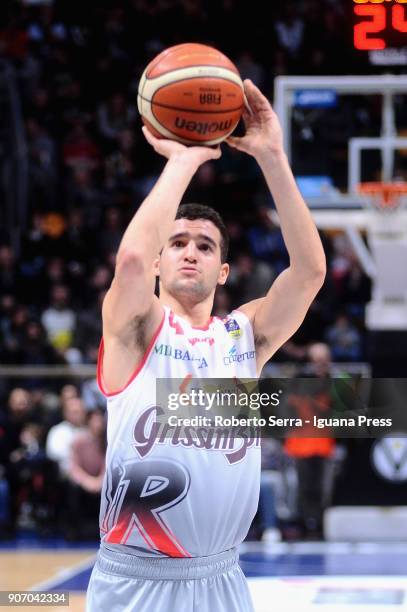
(277, 316)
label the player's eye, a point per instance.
(205, 247)
(178, 244)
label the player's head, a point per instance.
(320, 358)
(193, 262)
(201, 211)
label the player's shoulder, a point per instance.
(249, 309)
(121, 358)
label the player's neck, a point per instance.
(197, 314)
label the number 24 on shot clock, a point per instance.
(379, 24)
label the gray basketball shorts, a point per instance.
(126, 583)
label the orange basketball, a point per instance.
(191, 93)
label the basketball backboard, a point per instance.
(340, 132)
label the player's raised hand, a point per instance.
(170, 148)
(263, 132)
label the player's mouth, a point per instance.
(189, 270)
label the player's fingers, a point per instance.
(247, 108)
(148, 136)
(216, 152)
(247, 118)
(255, 98)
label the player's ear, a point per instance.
(156, 266)
(223, 274)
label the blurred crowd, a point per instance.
(52, 455)
(78, 67)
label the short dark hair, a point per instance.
(201, 211)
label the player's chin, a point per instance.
(189, 283)
(190, 286)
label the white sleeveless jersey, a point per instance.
(179, 494)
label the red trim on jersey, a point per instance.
(116, 534)
(175, 324)
(136, 371)
(203, 327)
(178, 328)
(166, 543)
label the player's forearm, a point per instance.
(301, 237)
(150, 227)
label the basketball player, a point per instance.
(173, 508)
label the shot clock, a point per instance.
(379, 24)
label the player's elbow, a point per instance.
(129, 262)
(312, 276)
(318, 272)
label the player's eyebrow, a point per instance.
(188, 235)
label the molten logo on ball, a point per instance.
(203, 128)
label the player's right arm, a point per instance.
(131, 312)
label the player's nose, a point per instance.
(190, 251)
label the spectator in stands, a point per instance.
(19, 412)
(60, 437)
(36, 350)
(238, 179)
(267, 504)
(34, 244)
(356, 286)
(120, 167)
(42, 167)
(250, 69)
(203, 187)
(5, 529)
(34, 479)
(111, 233)
(52, 272)
(266, 241)
(85, 476)
(67, 392)
(14, 39)
(82, 192)
(12, 423)
(92, 396)
(114, 116)
(14, 327)
(344, 340)
(40, 108)
(81, 242)
(255, 276)
(313, 455)
(59, 319)
(80, 150)
(289, 29)
(89, 328)
(342, 264)
(60, 74)
(10, 281)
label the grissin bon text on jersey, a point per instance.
(233, 442)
